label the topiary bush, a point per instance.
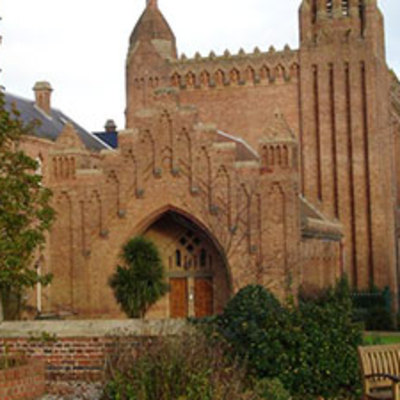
(140, 282)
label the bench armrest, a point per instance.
(393, 378)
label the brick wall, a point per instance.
(322, 263)
(23, 382)
(73, 351)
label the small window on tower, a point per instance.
(314, 11)
(361, 11)
(329, 7)
(39, 167)
(345, 8)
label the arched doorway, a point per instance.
(196, 270)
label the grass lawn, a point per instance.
(381, 338)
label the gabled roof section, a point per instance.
(278, 130)
(52, 125)
(69, 138)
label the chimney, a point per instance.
(110, 126)
(42, 96)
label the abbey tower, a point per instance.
(335, 93)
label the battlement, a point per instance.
(228, 69)
(257, 53)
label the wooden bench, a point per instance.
(380, 368)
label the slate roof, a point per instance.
(51, 126)
(111, 138)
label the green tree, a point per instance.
(25, 211)
(140, 282)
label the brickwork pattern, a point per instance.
(62, 353)
(67, 360)
(25, 382)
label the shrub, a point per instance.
(327, 360)
(140, 282)
(311, 348)
(271, 389)
(186, 367)
(258, 328)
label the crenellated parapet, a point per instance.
(257, 68)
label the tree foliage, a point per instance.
(140, 282)
(25, 211)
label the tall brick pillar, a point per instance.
(346, 143)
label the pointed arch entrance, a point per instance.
(196, 269)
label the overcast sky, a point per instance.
(80, 45)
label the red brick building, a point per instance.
(279, 168)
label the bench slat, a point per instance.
(381, 359)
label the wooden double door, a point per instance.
(191, 296)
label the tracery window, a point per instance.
(191, 254)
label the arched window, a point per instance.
(178, 258)
(39, 168)
(219, 78)
(203, 258)
(205, 78)
(176, 80)
(271, 155)
(190, 79)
